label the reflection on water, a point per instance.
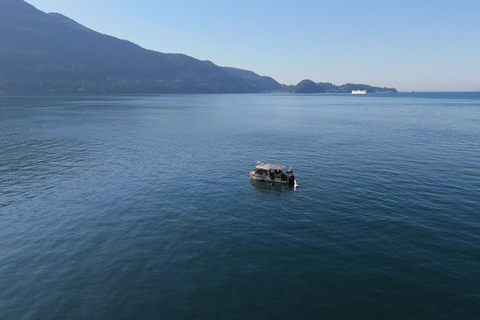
(266, 187)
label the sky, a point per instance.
(410, 45)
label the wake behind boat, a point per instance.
(273, 173)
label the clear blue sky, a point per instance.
(411, 45)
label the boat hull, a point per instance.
(290, 179)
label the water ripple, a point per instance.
(141, 207)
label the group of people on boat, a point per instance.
(277, 174)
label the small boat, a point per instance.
(273, 173)
(359, 92)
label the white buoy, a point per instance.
(295, 185)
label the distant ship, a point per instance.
(359, 92)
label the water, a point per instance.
(131, 207)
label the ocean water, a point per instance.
(141, 207)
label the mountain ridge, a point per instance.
(51, 53)
(41, 52)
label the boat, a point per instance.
(359, 92)
(273, 173)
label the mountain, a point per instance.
(41, 53)
(308, 86)
(50, 53)
(262, 83)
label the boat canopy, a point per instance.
(268, 166)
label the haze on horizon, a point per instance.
(421, 46)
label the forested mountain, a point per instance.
(41, 53)
(262, 83)
(50, 53)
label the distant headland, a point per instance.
(308, 86)
(48, 53)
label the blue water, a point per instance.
(141, 207)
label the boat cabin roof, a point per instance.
(268, 166)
